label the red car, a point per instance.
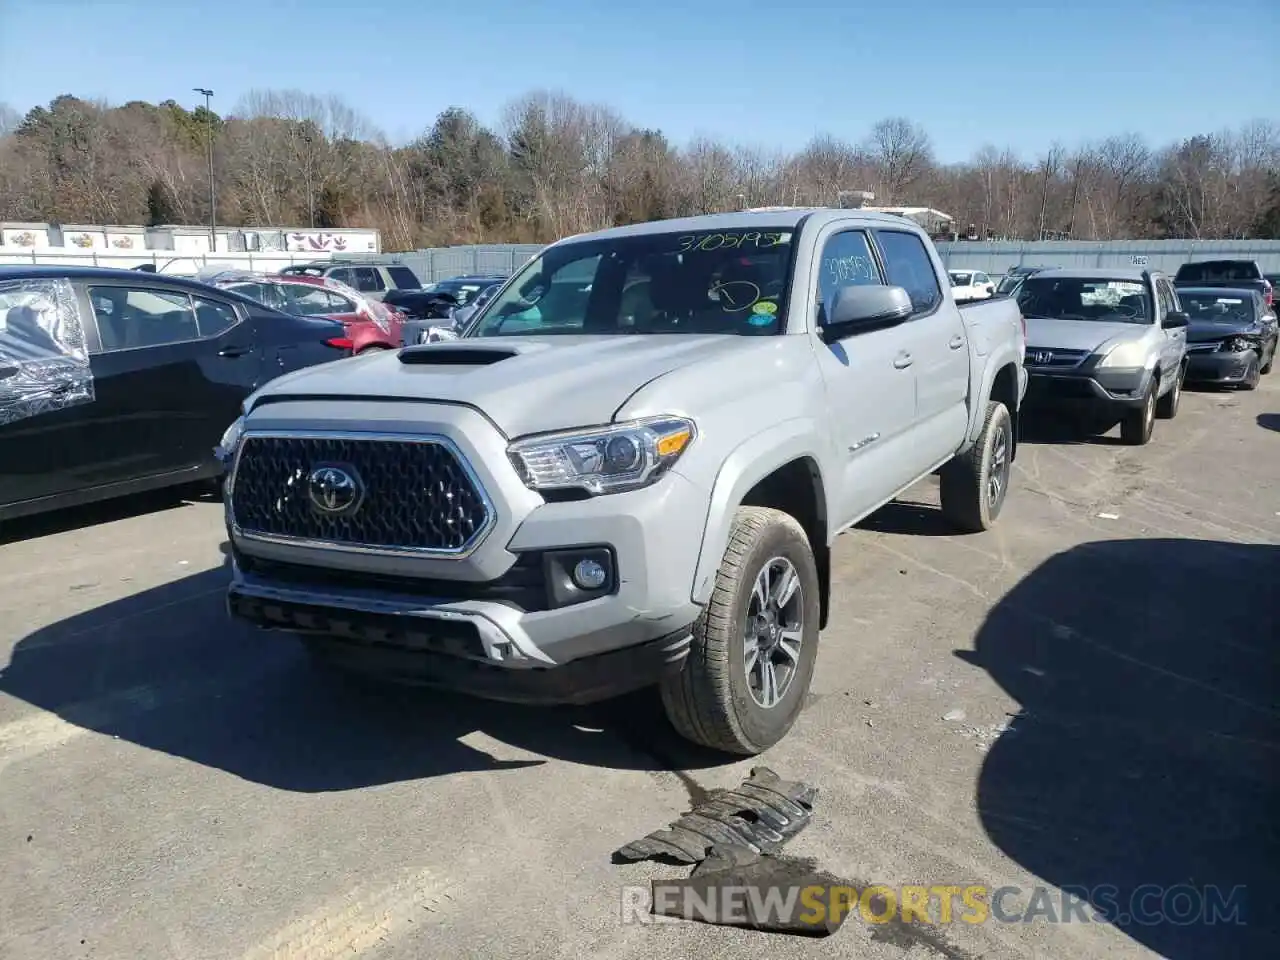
(370, 324)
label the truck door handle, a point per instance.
(234, 351)
(956, 342)
(902, 361)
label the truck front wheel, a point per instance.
(974, 485)
(749, 667)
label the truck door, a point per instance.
(936, 340)
(870, 389)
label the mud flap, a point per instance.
(759, 816)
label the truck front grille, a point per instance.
(368, 493)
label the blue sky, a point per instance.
(1008, 72)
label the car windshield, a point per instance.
(1217, 271)
(464, 291)
(961, 279)
(732, 282)
(1212, 306)
(1085, 298)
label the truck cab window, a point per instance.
(846, 260)
(908, 265)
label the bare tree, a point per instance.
(902, 153)
(557, 165)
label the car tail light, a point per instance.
(340, 343)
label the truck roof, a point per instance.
(782, 218)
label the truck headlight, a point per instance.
(607, 459)
(226, 448)
(1126, 355)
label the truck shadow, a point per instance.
(167, 669)
(1269, 421)
(1146, 753)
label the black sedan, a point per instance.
(1232, 336)
(118, 381)
(434, 304)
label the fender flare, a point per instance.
(749, 463)
(978, 403)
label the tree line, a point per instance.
(555, 166)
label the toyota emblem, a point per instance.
(334, 490)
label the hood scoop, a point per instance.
(455, 355)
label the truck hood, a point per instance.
(1088, 335)
(523, 384)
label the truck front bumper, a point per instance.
(409, 643)
(504, 620)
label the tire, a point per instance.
(1250, 381)
(975, 484)
(1271, 357)
(712, 701)
(1137, 425)
(1167, 406)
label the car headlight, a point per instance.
(226, 448)
(1238, 345)
(599, 460)
(1127, 355)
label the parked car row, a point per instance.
(1121, 344)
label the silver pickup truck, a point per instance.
(631, 468)
(1108, 342)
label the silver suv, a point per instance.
(1107, 342)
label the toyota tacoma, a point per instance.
(629, 471)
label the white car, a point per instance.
(970, 285)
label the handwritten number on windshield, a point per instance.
(730, 241)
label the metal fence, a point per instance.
(439, 263)
(1164, 255)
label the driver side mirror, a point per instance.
(1175, 320)
(859, 309)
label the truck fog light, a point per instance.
(589, 574)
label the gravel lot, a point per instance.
(173, 785)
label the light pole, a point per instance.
(311, 193)
(213, 193)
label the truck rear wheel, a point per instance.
(749, 668)
(974, 485)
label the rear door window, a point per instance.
(309, 301)
(908, 265)
(368, 280)
(131, 318)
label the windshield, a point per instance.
(1010, 283)
(731, 282)
(1084, 298)
(1211, 306)
(961, 279)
